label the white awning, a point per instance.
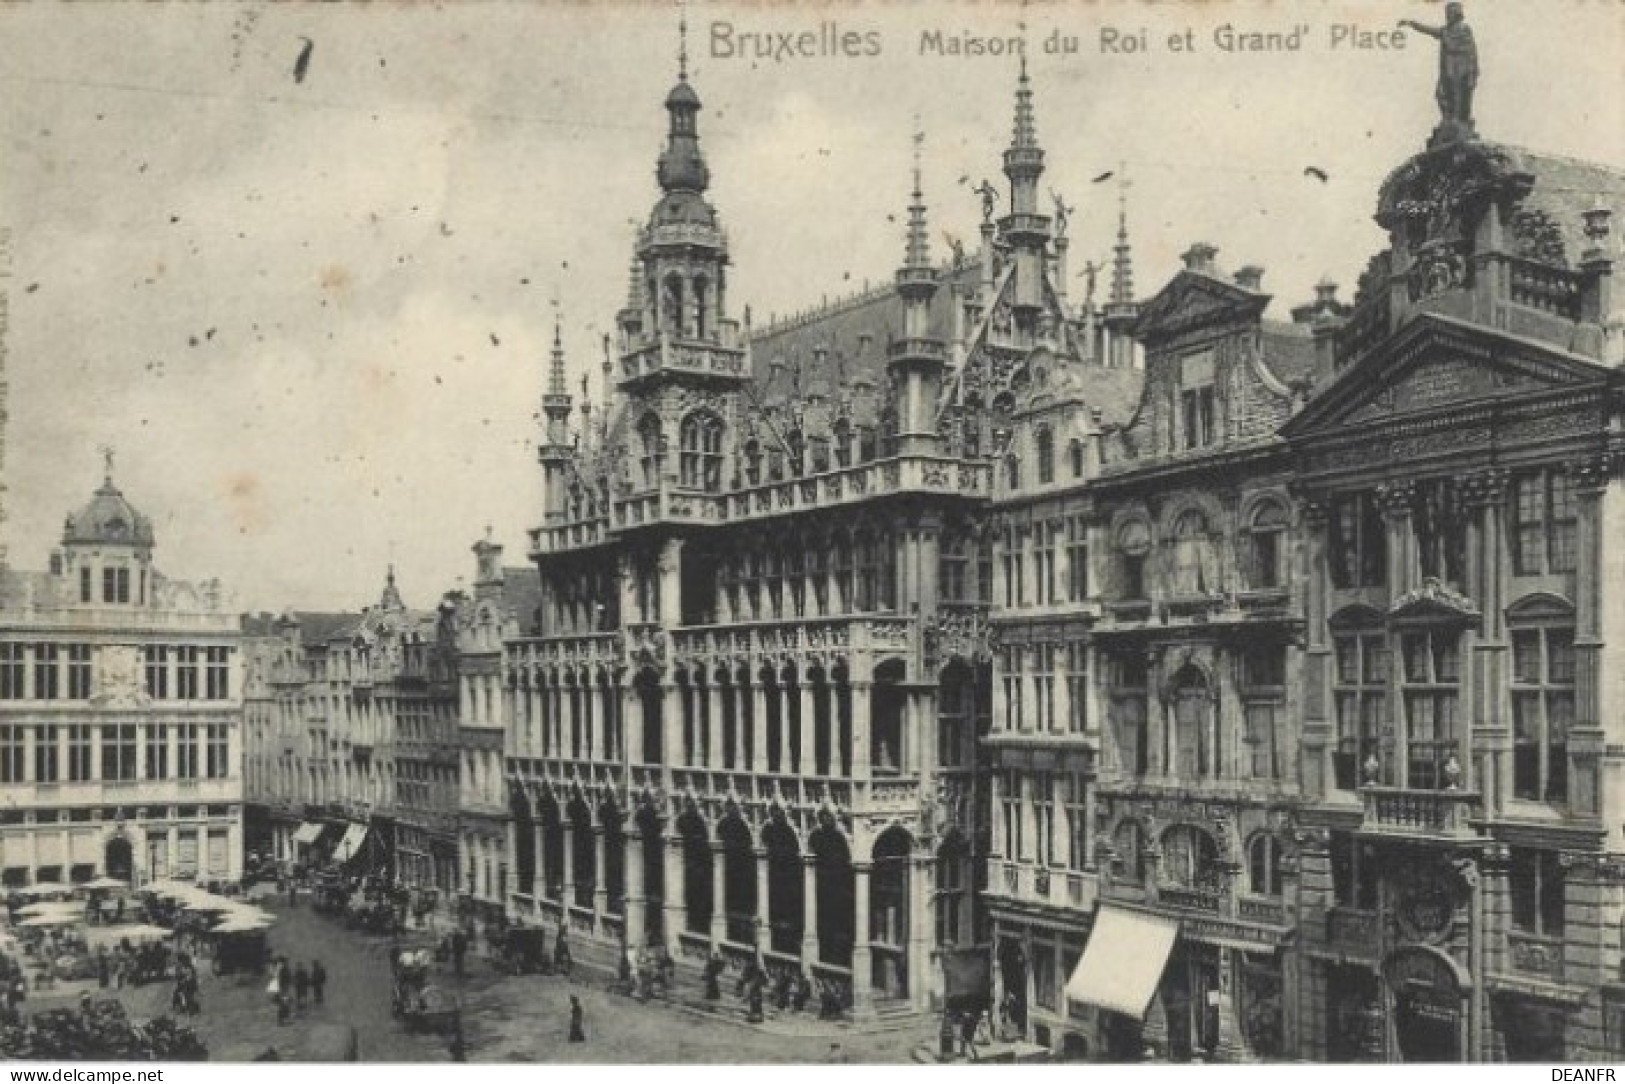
(350, 846)
(307, 833)
(1123, 961)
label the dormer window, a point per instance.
(843, 443)
(116, 585)
(1196, 411)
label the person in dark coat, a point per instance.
(561, 952)
(318, 981)
(459, 949)
(713, 971)
(301, 984)
(577, 1033)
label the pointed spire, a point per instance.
(918, 253)
(1026, 129)
(682, 41)
(682, 168)
(1122, 253)
(555, 376)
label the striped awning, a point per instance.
(307, 834)
(355, 836)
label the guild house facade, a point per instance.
(120, 712)
(1239, 685)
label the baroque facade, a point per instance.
(120, 712)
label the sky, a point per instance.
(310, 306)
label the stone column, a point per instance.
(860, 729)
(631, 722)
(713, 723)
(862, 970)
(758, 725)
(675, 901)
(636, 900)
(807, 745)
(764, 911)
(671, 583)
(719, 895)
(600, 888)
(809, 897)
(671, 755)
(567, 893)
(921, 935)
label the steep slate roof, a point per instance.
(1114, 392)
(1565, 188)
(1289, 352)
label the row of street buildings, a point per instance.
(1240, 686)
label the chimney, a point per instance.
(1250, 278)
(1597, 265)
(1199, 258)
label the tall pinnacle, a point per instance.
(555, 378)
(918, 252)
(1122, 254)
(1026, 133)
(682, 168)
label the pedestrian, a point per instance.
(284, 977)
(301, 984)
(459, 949)
(967, 1034)
(577, 1033)
(459, 1045)
(103, 969)
(318, 981)
(561, 952)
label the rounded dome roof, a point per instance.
(108, 518)
(683, 94)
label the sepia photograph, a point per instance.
(727, 532)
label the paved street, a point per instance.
(506, 1019)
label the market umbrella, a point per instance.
(103, 884)
(44, 907)
(241, 925)
(42, 890)
(171, 889)
(112, 935)
(54, 918)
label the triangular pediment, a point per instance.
(1194, 300)
(1437, 363)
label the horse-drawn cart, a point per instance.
(415, 1000)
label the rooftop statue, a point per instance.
(1458, 73)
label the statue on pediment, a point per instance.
(1458, 73)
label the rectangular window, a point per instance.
(1359, 546)
(79, 762)
(13, 754)
(1077, 687)
(1045, 536)
(1542, 712)
(47, 757)
(84, 584)
(1010, 799)
(118, 752)
(1044, 818)
(157, 665)
(13, 672)
(218, 673)
(186, 751)
(1014, 667)
(1077, 821)
(954, 723)
(1360, 694)
(186, 666)
(1196, 411)
(1355, 872)
(1262, 753)
(1128, 710)
(79, 673)
(218, 761)
(1046, 990)
(1537, 892)
(1077, 559)
(1431, 670)
(47, 673)
(953, 570)
(1544, 522)
(1044, 688)
(157, 751)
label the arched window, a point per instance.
(1195, 737)
(1133, 544)
(1076, 451)
(649, 446)
(1267, 537)
(700, 439)
(1190, 858)
(1192, 573)
(797, 445)
(1012, 471)
(671, 306)
(1044, 449)
(1264, 865)
(702, 325)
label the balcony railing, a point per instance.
(1255, 910)
(1206, 900)
(1412, 812)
